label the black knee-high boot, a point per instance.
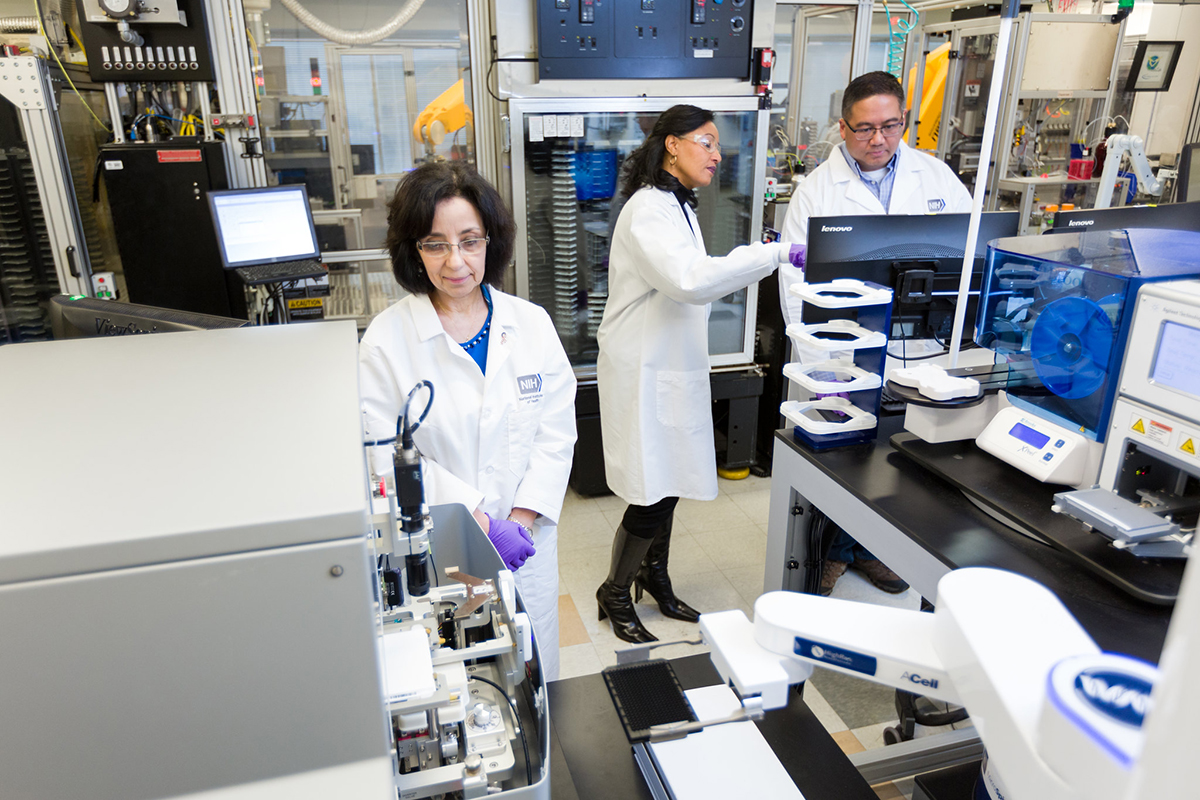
(613, 595)
(653, 578)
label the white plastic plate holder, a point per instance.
(834, 294)
(809, 335)
(857, 419)
(850, 378)
(935, 383)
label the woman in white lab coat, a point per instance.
(653, 369)
(500, 435)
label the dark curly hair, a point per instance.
(643, 167)
(870, 85)
(410, 217)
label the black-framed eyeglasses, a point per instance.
(867, 132)
(469, 247)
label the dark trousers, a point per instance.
(644, 522)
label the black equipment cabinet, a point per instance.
(163, 226)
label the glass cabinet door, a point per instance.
(566, 192)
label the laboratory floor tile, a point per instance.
(858, 702)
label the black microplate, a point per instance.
(646, 694)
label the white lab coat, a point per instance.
(493, 441)
(923, 185)
(653, 368)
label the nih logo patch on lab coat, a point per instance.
(936, 205)
(530, 384)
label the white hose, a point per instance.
(18, 25)
(327, 31)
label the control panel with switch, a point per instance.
(583, 39)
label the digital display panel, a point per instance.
(1176, 364)
(1029, 436)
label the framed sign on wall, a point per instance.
(1153, 66)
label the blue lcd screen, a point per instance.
(1029, 436)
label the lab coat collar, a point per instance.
(428, 325)
(843, 174)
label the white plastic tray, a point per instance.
(823, 295)
(808, 335)
(850, 378)
(857, 419)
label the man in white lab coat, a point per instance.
(871, 172)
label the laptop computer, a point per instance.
(266, 235)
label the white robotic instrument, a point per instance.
(1059, 719)
(455, 652)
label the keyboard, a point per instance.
(283, 271)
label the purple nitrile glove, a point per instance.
(510, 541)
(797, 254)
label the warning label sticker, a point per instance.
(1159, 432)
(305, 302)
(1138, 425)
(1188, 447)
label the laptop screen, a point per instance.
(263, 226)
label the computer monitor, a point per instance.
(918, 257)
(263, 226)
(1172, 216)
(77, 317)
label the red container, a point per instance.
(1081, 169)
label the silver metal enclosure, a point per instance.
(185, 580)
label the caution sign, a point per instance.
(1139, 426)
(304, 302)
(1188, 447)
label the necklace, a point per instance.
(487, 324)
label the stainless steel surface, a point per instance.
(918, 756)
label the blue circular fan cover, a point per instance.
(1071, 344)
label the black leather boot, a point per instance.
(653, 578)
(613, 595)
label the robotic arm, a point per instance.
(1118, 145)
(446, 114)
(1059, 718)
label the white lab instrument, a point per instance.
(1059, 719)
(935, 383)
(1150, 463)
(183, 614)
(1059, 310)
(1040, 448)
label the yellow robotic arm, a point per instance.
(446, 114)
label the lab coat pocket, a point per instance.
(683, 399)
(522, 426)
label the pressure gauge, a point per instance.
(119, 9)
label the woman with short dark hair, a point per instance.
(652, 369)
(501, 432)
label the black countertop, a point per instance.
(937, 517)
(592, 760)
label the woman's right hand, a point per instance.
(510, 541)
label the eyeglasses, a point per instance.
(867, 133)
(705, 141)
(467, 247)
